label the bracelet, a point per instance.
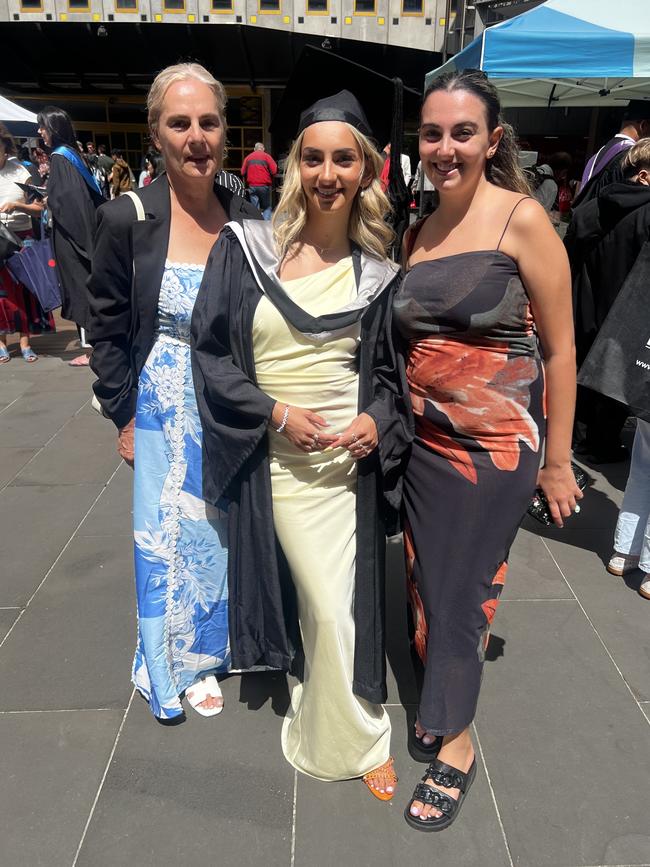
(285, 419)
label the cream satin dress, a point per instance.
(328, 732)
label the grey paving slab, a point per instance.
(31, 372)
(207, 792)
(37, 521)
(618, 612)
(62, 378)
(112, 515)
(532, 574)
(341, 824)
(611, 478)
(11, 388)
(8, 617)
(12, 460)
(73, 646)
(52, 764)
(82, 452)
(559, 728)
(33, 420)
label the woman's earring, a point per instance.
(362, 193)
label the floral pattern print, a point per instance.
(180, 541)
(484, 395)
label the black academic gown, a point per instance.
(72, 204)
(611, 173)
(603, 243)
(235, 415)
(124, 310)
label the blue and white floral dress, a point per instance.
(181, 553)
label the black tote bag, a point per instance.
(618, 363)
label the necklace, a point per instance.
(320, 250)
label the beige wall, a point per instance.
(386, 25)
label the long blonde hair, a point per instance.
(367, 227)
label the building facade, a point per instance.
(413, 24)
(97, 58)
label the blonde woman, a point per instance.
(306, 432)
(140, 325)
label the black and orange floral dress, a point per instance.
(477, 385)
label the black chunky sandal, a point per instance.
(450, 778)
(421, 752)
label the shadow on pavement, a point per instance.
(256, 688)
(495, 649)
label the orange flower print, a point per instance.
(415, 601)
(490, 605)
(483, 393)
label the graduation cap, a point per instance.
(37, 192)
(319, 74)
(342, 106)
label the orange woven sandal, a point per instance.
(380, 778)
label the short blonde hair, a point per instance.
(367, 228)
(637, 158)
(182, 72)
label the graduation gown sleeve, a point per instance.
(111, 305)
(390, 406)
(235, 412)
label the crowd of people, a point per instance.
(288, 395)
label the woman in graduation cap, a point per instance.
(306, 432)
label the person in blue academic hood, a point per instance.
(72, 198)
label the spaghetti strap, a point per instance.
(412, 236)
(523, 199)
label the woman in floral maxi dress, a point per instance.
(150, 252)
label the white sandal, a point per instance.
(206, 687)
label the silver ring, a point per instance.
(314, 438)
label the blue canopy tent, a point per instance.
(565, 53)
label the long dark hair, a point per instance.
(503, 168)
(8, 141)
(157, 162)
(58, 124)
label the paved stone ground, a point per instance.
(90, 780)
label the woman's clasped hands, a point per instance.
(307, 431)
